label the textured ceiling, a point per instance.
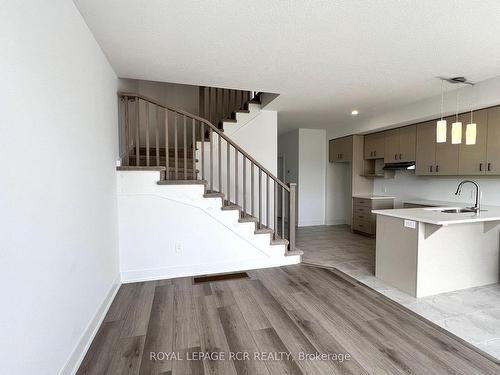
(324, 58)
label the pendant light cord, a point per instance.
(442, 98)
(456, 113)
(472, 103)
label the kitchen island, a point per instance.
(426, 251)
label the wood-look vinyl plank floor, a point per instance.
(293, 310)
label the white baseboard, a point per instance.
(76, 357)
(336, 222)
(311, 223)
(205, 269)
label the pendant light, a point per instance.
(441, 124)
(471, 128)
(456, 127)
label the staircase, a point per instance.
(190, 150)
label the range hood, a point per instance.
(402, 165)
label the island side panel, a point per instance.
(457, 256)
(396, 254)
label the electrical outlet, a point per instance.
(178, 247)
(118, 163)
(410, 224)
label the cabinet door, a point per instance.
(379, 145)
(472, 158)
(369, 146)
(425, 157)
(374, 146)
(447, 153)
(331, 151)
(407, 143)
(346, 148)
(340, 149)
(493, 142)
(392, 146)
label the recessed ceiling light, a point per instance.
(354, 112)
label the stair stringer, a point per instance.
(242, 118)
(146, 248)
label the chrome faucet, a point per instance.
(477, 205)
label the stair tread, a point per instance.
(293, 252)
(182, 182)
(171, 168)
(229, 120)
(231, 207)
(248, 219)
(279, 241)
(213, 194)
(242, 111)
(263, 230)
(140, 168)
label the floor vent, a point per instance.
(222, 277)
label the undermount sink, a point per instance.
(457, 210)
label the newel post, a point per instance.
(291, 217)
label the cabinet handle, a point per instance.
(437, 168)
(430, 168)
(395, 156)
(489, 167)
(400, 156)
(375, 153)
(480, 167)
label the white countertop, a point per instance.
(367, 196)
(432, 216)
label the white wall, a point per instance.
(288, 150)
(175, 95)
(258, 138)
(288, 147)
(172, 231)
(305, 164)
(312, 175)
(58, 145)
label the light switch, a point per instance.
(178, 247)
(410, 224)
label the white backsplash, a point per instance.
(405, 185)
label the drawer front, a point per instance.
(362, 202)
(364, 217)
(362, 210)
(364, 226)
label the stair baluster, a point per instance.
(157, 136)
(145, 155)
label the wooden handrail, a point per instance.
(212, 127)
(178, 165)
